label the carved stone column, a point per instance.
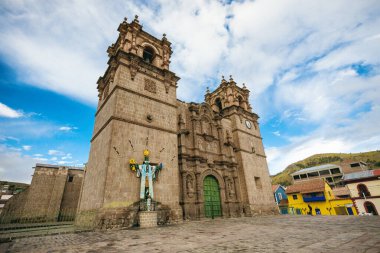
(199, 195)
(238, 195)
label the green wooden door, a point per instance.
(211, 197)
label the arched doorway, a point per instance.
(211, 195)
(370, 208)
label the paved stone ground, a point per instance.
(257, 234)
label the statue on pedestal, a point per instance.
(147, 173)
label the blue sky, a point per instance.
(313, 69)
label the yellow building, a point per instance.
(316, 197)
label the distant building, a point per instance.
(281, 198)
(316, 197)
(8, 189)
(351, 166)
(364, 187)
(52, 195)
(332, 173)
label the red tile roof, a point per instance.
(315, 185)
(274, 187)
(340, 191)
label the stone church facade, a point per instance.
(213, 156)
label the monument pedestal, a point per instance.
(147, 219)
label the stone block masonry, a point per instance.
(53, 195)
(147, 219)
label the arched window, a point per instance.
(148, 54)
(363, 191)
(218, 103)
(370, 208)
(240, 100)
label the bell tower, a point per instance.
(231, 102)
(136, 111)
(228, 94)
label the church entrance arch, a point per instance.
(211, 193)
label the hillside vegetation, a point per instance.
(284, 178)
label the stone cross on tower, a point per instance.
(147, 173)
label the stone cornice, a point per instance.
(248, 133)
(131, 122)
(234, 109)
(249, 152)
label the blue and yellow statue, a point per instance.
(148, 173)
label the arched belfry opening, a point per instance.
(240, 101)
(148, 54)
(211, 194)
(218, 103)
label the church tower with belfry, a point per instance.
(221, 156)
(136, 111)
(210, 156)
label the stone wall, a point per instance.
(49, 196)
(71, 193)
(148, 219)
(14, 207)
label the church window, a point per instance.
(148, 54)
(218, 103)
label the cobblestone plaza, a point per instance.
(256, 234)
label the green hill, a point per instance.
(284, 178)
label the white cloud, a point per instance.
(360, 135)
(63, 162)
(40, 159)
(26, 147)
(263, 38)
(27, 128)
(295, 56)
(67, 128)
(8, 112)
(14, 166)
(67, 156)
(55, 152)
